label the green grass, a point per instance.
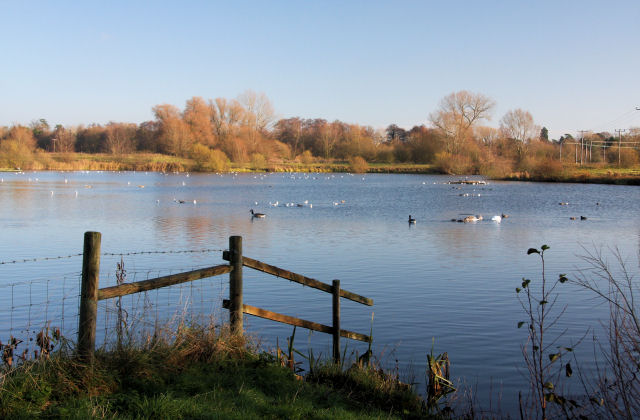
(198, 374)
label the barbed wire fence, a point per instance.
(45, 296)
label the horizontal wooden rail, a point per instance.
(299, 278)
(157, 283)
(285, 319)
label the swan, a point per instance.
(258, 215)
(412, 220)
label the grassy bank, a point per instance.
(198, 373)
(164, 163)
(590, 175)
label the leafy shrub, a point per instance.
(358, 165)
(209, 160)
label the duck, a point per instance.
(583, 217)
(412, 220)
(258, 215)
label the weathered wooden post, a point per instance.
(89, 296)
(235, 285)
(336, 320)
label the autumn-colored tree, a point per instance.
(424, 144)
(258, 115)
(458, 112)
(174, 134)
(42, 133)
(226, 118)
(356, 141)
(90, 139)
(147, 135)
(327, 138)
(197, 115)
(290, 131)
(22, 136)
(120, 138)
(64, 139)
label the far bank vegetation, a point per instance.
(223, 134)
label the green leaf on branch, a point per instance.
(518, 290)
(544, 247)
(554, 356)
(532, 251)
(548, 385)
(525, 283)
(543, 302)
(562, 278)
(520, 324)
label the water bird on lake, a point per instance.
(497, 218)
(504, 216)
(583, 217)
(257, 215)
(563, 203)
(412, 220)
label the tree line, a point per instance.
(245, 129)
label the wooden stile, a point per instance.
(299, 278)
(91, 294)
(158, 282)
(286, 319)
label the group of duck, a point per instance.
(469, 219)
(564, 203)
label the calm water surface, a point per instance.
(452, 284)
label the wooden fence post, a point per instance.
(336, 320)
(89, 296)
(235, 285)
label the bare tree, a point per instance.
(486, 135)
(458, 113)
(65, 139)
(518, 125)
(120, 138)
(259, 115)
(226, 118)
(259, 110)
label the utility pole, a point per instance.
(582, 151)
(620, 131)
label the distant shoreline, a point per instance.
(150, 162)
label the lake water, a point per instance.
(450, 284)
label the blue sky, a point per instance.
(573, 64)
